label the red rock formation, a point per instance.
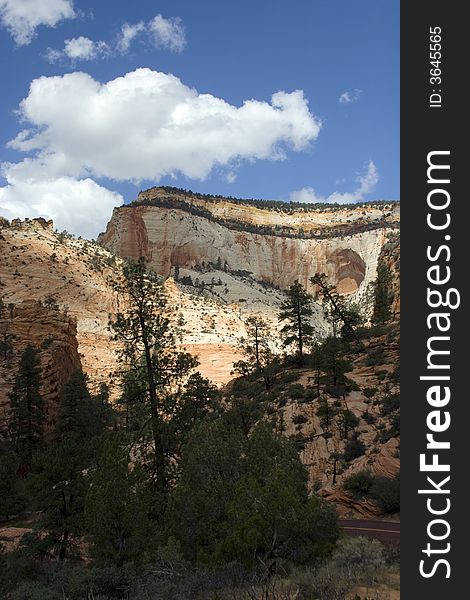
(54, 334)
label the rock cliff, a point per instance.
(54, 334)
(173, 229)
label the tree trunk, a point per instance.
(159, 450)
(63, 544)
(299, 326)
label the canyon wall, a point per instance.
(228, 236)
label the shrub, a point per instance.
(286, 377)
(354, 449)
(368, 417)
(310, 395)
(375, 356)
(362, 558)
(296, 391)
(390, 404)
(359, 484)
(386, 492)
(336, 391)
(299, 419)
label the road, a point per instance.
(384, 531)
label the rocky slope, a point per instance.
(77, 277)
(293, 405)
(275, 246)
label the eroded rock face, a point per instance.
(176, 237)
(54, 334)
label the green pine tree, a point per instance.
(256, 349)
(149, 352)
(383, 295)
(74, 417)
(117, 507)
(296, 309)
(343, 316)
(27, 408)
(58, 486)
(271, 516)
(58, 481)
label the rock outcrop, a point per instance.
(176, 230)
(50, 331)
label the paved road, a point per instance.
(385, 531)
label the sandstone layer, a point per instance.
(166, 230)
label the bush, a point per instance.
(299, 419)
(386, 492)
(287, 377)
(368, 417)
(390, 404)
(362, 558)
(296, 391)
(354, 449)
(336, 391)
(376, 357)
(310, 395)
(246, 387)
(359, 484)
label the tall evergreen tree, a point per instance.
(256, 349)
(27, 408)
(74, 417)
(149, 351)
(58, 480)
(117, 507)
(383, 296)
(58, 486)
(297, 310)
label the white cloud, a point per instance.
(168, 33)
(128, 33)
(147, 124)
(348, 97)
(141, 126)
(80, 206)
(22, 17)
(367, 183)
(81, 48)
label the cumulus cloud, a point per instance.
(81, 48)
(351, 96)
(168, 33)
(22, 17)
(80, 206)
(366, 185)
(148, 124)
(141, 126)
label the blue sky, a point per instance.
(128, 95)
